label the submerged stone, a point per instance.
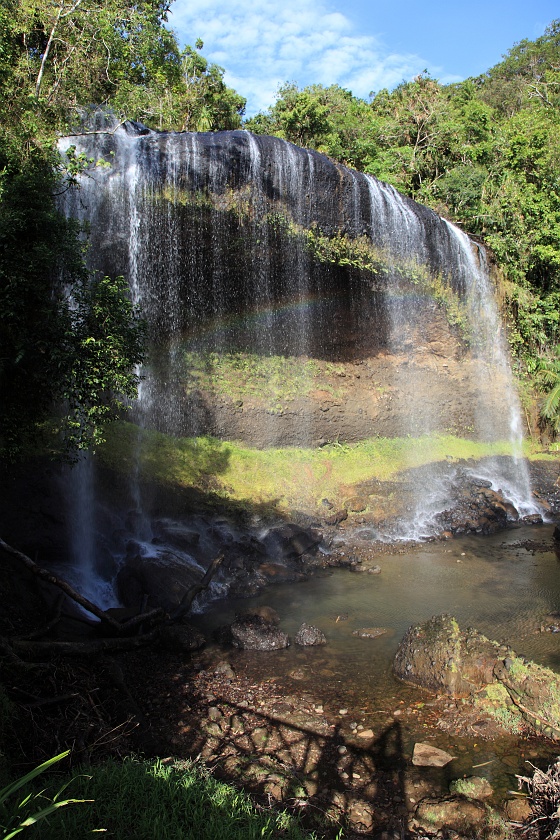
(426, 755)
(252, 632)
(370, 632)
(307, 636)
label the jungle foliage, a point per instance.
(483, 153)
(69, 341)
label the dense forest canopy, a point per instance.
(484, 153)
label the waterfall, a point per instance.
(225, 239)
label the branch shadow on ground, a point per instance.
(329, 780)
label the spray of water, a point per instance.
(164, 214)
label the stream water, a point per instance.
(494, 584)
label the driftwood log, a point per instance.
(132, 633)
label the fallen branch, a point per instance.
(29, 647)
(189, 596)
(92, 648)
(123, 627)
(6, 649)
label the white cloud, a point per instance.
(301, 41)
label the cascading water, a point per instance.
(229, 242)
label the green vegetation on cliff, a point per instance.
(68, 341)
(483, 153)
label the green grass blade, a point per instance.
(19, 783)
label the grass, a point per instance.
(292, 478)
(143, 800)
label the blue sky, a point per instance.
(362, 46)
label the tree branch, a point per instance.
(195, 589)
(43, 574)
(29, 647)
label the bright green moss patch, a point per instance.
(495, 701)
(273, 380)
(291, 478)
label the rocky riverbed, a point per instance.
(312, 727)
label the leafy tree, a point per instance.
(330, 120)
(59, 55)
(548, 376)
(207, 104)
(528, 73)
(68, 341)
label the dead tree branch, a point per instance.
(30, 648)
(122, 628)
(189, 596)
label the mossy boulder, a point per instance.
(515, 692)
(455, 813)
(438, 656)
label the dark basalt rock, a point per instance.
(307, 636)
(476, 508)
(290, 541)
(337, 518)
(252, 632)
(532, 519)
(162, 576)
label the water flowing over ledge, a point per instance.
(292, 302)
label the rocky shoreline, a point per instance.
(273, 728)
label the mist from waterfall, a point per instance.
(210, 230)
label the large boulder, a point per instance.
(253, 632)
(290, 541)
(161, 577)
(439, 656)
(456, 813)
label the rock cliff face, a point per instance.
(292, 302)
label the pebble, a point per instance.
(343, 711)
(342, 750)
(365, 733)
